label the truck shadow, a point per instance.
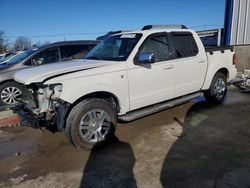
(110, 165)
(213, 149)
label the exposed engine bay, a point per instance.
(40, 104)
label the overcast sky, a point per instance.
(54, 20)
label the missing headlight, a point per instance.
(54, 91)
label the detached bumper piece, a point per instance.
(242, 83)
(7, 107)
(28, 118)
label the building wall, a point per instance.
(242, 57)
(240, 23)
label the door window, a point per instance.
(184, 44)
(47, 56)
(159, 46)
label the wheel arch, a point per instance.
(223, 71)
(8, 80)
(101, 95)
(209, 80)
(98, 94)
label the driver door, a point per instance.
(154, 82)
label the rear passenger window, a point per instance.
(184, 44)
(158, 45)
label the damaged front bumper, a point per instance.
(55, 122)
(41, 106)
(27, 118)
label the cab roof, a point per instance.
(150, 29)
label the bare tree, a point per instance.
(22, 43)
(3, 42)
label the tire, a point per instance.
(90, 123)
(218, 89)
(9, 92)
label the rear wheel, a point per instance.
(10, 92)
(218, 89)
(90, 122)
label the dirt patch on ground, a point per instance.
(8, 119)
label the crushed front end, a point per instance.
(41, 106)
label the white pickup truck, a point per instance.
(125, 77)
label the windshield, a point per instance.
(115, 48)
(20, 57)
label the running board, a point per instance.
(136, 114)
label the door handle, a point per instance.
(201, 61)
(167, 67)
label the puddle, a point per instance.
(10, 147)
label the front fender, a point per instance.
(72, 94)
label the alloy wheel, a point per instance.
(10, 94)
(220, 88)
(94, 126)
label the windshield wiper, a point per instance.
(93, 57)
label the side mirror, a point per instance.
(38, 61)
(145, 58)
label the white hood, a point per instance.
(40, 73)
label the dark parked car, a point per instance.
(6, 55)
(44, 54)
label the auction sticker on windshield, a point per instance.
(128, 36)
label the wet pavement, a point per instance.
(192, 145)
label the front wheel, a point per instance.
(9, 93)
(218, 89)
(91, 122)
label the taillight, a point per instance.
(234, 59)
